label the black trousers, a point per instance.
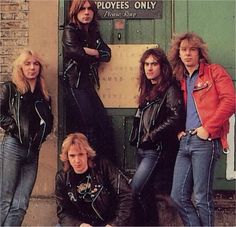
(85, 113)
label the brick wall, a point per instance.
(14, 33)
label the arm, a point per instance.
(91, 52)
(73, 45)
(123, 193)
(7, 122)
(173, 117)
(64, 206)
(102, 51)
(75, 48)
(226, 99)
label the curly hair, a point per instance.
(148, 91)
(173, 54)
(18, 77)
(81, 141)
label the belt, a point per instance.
(191, 131)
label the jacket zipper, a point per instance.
(41, 120)
(142, 112)
(94, 207)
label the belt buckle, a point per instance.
(191, 131)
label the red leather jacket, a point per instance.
(214, 97)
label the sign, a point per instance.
(130, 9)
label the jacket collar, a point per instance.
(201, 67)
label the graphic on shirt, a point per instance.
(84, 187)
(85, 191)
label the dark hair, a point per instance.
(74, 9)
(148, 91)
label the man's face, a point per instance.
(189, 54)
(78, 159)
(152, 69)
(85, 15)
(31, 68)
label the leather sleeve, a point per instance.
(124, 198)
(7, 122)
(73, 44)
(64, 206)
(224, 98)
(172, 120)
(103, 49)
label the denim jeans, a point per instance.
(145, 209)
(146, 162)
(193, 174)
(18, 174)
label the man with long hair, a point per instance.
(156, 123)
(84, 49)
(26, 118)
(209, 102)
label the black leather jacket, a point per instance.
(80, 68)
(163, 118)
(15, 115)
(113, 204)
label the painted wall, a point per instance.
(43, 37)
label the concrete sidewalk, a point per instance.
(42, 212)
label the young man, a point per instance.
(210, 101)
(90, 191)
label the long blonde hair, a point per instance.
(81, 141)
(18, 77)
(173, 54)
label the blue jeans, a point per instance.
(193, 174)
(17, 178)
(146, 162)
(142, 186)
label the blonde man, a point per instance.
(26, 117)
(209, 102)
(90, 191)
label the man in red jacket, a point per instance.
(210, 101)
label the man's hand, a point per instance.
(181, 134)
(85, 225)
(202, 133)
(91, 52)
